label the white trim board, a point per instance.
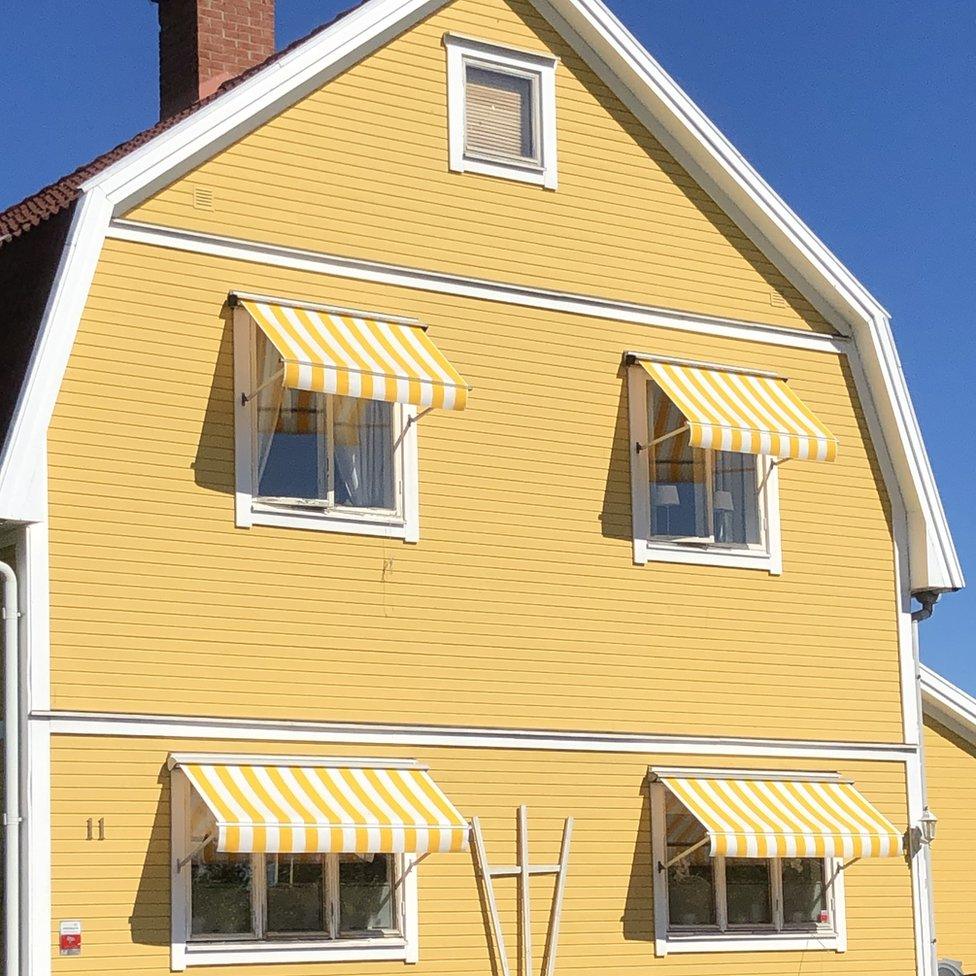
(364, 269)
(205, 727)
(948, 704)
(592, 29)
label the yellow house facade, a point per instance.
(950, 773)
(438, 420)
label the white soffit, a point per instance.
(948, 704)
(614, 54)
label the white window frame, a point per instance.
(251, 510)
(670, 940)
(540, 69)
(244, 950)
(768, 556)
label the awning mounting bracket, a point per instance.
(658, 440)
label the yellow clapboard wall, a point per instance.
(119, 887)
(519, 607)
(360, 168)
(950, 769)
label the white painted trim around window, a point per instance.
(541, 68)
(647, 549)
(668, 943)
(185, 953)
(250, 511)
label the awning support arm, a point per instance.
(245, 397)
(410, 422)
(661, 866)
(183, 861)
(664, 437)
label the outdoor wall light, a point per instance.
(926, 827)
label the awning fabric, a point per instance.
(729, 410)
(324, 352)
(267, 807)
(768, 817)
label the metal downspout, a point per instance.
(11, 772)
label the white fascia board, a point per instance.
(660, 104)
(948, 704)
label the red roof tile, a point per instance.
(21, 217)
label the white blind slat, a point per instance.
(498, 114)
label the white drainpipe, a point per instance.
(11, 772)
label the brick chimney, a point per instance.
(202, 43)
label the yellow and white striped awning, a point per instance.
(735, 410)
(346, 354)
(761, 815)
(307, 805)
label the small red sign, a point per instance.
(69, 938)
(824, 918)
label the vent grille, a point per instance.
(203, 198)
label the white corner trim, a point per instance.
(364, 269)
(769, 558)
(540, 69)
(948, 704)
(22, 498)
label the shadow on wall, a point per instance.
(615, 515)
(213, 466)
(149, 922)
(638, 916)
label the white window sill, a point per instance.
(654, 550)
(523, 173)
(382, 525)
(241, 954)
(748, 942)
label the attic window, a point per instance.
(502, 111)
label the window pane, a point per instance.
(748, 892)
(220, 893)
(498, 114)
(691, 882)
(363, 431)
(296, 893)
(366, 894)
(678, 492)
(290, 449)
(804, 893)
(736, 499)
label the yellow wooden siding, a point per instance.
(119, 887)
(361, 168)
(519, 607)
(950, 767)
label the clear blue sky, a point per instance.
(861, 113)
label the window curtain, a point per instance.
(267, 402)
(363, 432)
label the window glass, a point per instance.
(366, 896)
(678, 476)
(291, 433)
(804, 891)
(220, 893)
(691, 881)
(735, 499)
(296, 893)
(333, 451)
(499, 116)
(748, 892)
(363, 461)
